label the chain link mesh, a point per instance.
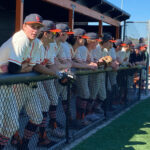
(25, 102)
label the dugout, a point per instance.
(77, 13)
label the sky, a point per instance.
(138, 9)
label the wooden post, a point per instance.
(100, 28)
(19, 14)
(71, 20)
(117, 33)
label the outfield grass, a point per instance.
(131, 131)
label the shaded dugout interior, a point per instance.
(58, 14)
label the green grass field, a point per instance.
(131, 131)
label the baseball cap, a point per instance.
(92, 35)
(33, 19)
(49, 26)
(128, 42)
(139, 46)
(141, 40)
(64, 28)
(118, 42)
(107, 37)
(80, 32)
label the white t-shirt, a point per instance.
(126, 55)
(81, 54)
(104, 52)
(90, 57)
(64, 52)
(5, 52)
(120, 56)
(56, 48)
(112, 53)
(97, 53)
(22, 49)
(18, 49)
(48, 55)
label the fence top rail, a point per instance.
(7, 79)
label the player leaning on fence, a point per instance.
(46, 36)
(30, 101)
(22, 49)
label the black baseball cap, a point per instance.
(49, 26)
(33, 19)
(128, 42)
(107, 37)
(92, 35)
(79, 32)
(64, 28)
(141, 40)
(119, 42)
(140, 46)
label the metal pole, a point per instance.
(140, 80)
(147, 56)
(121, 4)
(68, 112)
(124, 30)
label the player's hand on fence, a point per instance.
(26, 67)
(93, 66)
(115, 65)
(100, 62)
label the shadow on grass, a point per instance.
(120, 134)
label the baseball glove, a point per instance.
(67, 77)
(106, 60)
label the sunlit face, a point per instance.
(81, 41)
(119, 48)
(110, 44)
(31, 30)
(49, 36)
(92, 44)
(127, 47)
(63, 36)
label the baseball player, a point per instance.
(97, 85)
(61, 60)
(138, 57)
(82, 55)
(123, 59)
(46, 37)
(107, 50)
(23, 54)
(8, 107)
(96, 82)
(79, 61)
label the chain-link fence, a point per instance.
(136, 30)
(35, 107)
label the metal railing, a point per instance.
(19, 91)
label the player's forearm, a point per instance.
(54, 68)
(43, 69)
(26, 69)
(79, 65)
(60, 65)
(66, 65)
